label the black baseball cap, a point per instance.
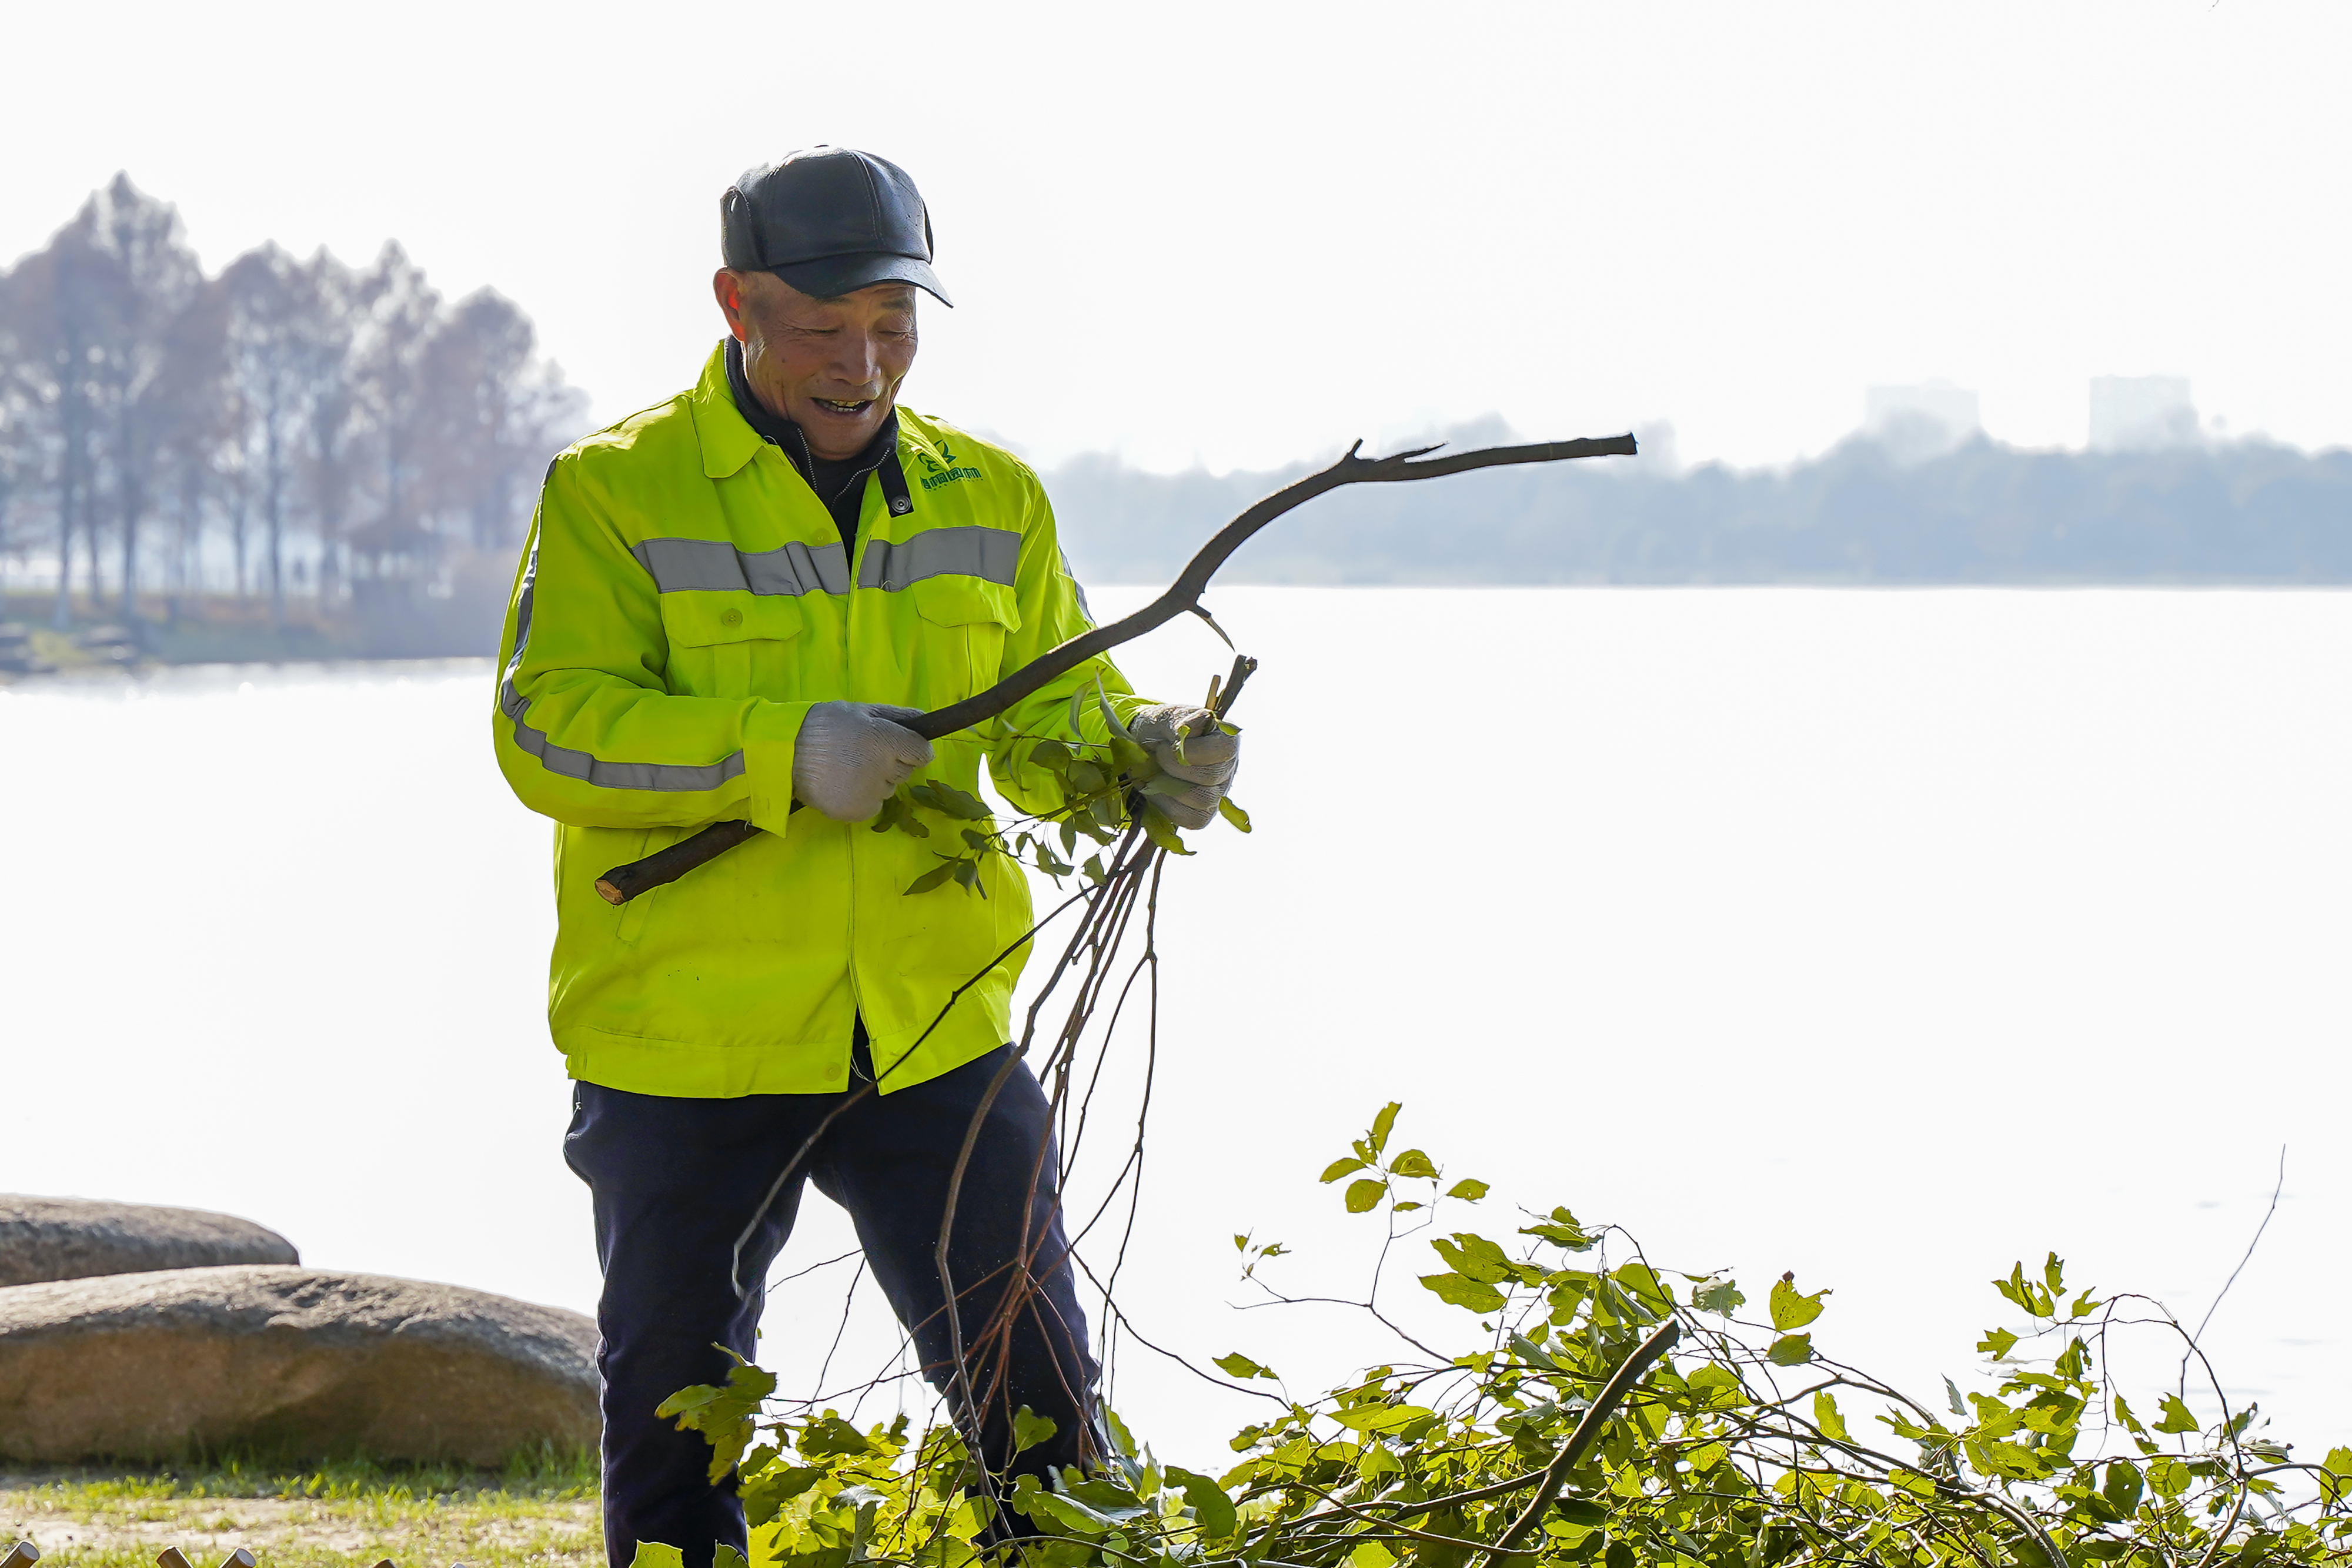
(828, 220)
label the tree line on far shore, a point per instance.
(1871, 512)
(305, 446)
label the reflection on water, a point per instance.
(1885, 937)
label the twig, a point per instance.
(2241, 1269)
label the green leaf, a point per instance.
(1093, 869)
(1717, 1388)
(1412, 1163)
(1721, 1296)
(725, 1556)
(1363, 1195)
(1339, 1168)
(954, 803)
(2178, 1418)
(1077, 697)
(2124, 1413)
(1458, 1291)
(1827, 1417)
(1110, 715)
(1997, 1343)
(968, 873)
(1791, 1310)
(765, 1495)
(1160, 830)
(1029, 1428)
(1382, 1122)
(2054, 1274)
(1561, 1231)
(935, 877)
(1051, 755)
(1476, 1258)
(2123, 1488)
(1233, 813)
(654, 1554)
(980, 842)
(2339, 1462)
(1647, 1287)
(1469, 1188)
(1952, 1392)
(1792, 1350)
(703, 1407)
(1212, 1510)
(1380, 1418)
(1107, 813)
(1241, 1366)
(1371, 1553)
(830, 1436)
(723, 1416)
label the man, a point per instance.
(727, 602)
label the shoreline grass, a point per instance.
(539, 1511)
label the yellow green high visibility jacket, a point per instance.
(684, 599)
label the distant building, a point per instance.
(1922, 421)
(2135, 413)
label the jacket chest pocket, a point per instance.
(967, 618)
(721, 643)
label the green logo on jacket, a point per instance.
(936, 476)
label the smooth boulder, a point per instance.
(77, 1239)
(288, 1362)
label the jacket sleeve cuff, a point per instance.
(769, 733)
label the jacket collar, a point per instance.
(730, 439)
(728, 442)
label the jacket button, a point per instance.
(732, 618)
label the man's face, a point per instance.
(831, 366)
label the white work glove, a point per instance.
(1210, 759)
(851, 756)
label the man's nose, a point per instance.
(859, 359)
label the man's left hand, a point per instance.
(1187, 744)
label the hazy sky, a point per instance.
(1242, 233)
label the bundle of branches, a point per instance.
(1606, 1411)
(1746, 1448)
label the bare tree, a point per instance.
(196, 427)
(497, 410)
(398, 315)
(286, 397)
(55, 307)
(151, 278)
(283, 343)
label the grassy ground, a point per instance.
(542, 1514)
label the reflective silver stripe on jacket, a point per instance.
(689, 566)
(682, 566)
(580, 765)
(992, 554)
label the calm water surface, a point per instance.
(1887, 937)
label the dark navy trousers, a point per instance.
(676, 1181)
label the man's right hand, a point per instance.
(851, 756)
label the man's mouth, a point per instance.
(836, 406)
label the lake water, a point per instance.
(1885, 937)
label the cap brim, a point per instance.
(829, 277)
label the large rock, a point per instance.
(74, 1239)
(298, 1363)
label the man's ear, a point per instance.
(729, 289)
